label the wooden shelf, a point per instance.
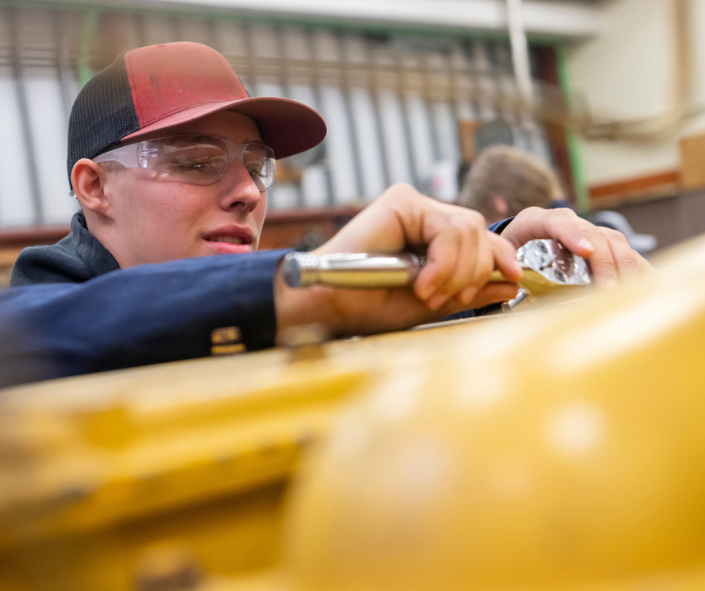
(32, 235)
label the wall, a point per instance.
(392, 100)
(626, 72)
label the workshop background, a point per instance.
(609, 92)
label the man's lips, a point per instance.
(230, 239)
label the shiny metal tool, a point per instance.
(351, 270)
(547, 265)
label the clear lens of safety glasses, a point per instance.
(199, 160)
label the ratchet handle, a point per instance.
(355, 270)
(351, 270)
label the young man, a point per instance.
(170, 160)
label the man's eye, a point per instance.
(197, 165)
(255, 171)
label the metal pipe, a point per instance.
(520, 54)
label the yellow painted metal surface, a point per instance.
(96, 471)
(565, 452)
(558, 448)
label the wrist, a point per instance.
(296, 306)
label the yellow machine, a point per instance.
(559, 448)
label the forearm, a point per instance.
(136, 316)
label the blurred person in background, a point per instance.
(504, 180)
(170, 160)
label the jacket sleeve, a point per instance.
(498, 227)
(136, 316)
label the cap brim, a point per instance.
(288, 127)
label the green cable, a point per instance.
(582, 196)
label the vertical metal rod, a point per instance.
(520, 53)
(30, 151)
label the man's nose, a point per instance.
(239, 189)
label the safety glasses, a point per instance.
(196, 159)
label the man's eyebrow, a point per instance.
(200, 137)
(207, 137)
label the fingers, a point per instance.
(458, 255)
(461, 252)
(442, 277)
(612, 258)
(608, 252)
(629, 263)
(503, 258)
(460, 263)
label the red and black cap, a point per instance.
(156, 87)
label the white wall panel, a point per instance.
(49, 131)
(16, 207)
(445, 123)
(370, 151)
(393, 130)
(339, 146)
(314, 186)
(339, 141)
(421, 139)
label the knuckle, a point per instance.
(474, 219)
(565, 213)
(615, 235)
(401, 191)
(403, 187)
(630, 263)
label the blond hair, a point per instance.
(520, 178)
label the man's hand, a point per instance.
(461, 255)
(610, 256)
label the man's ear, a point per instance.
(499, 204)
(88, 180)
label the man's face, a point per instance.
(166, 218)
